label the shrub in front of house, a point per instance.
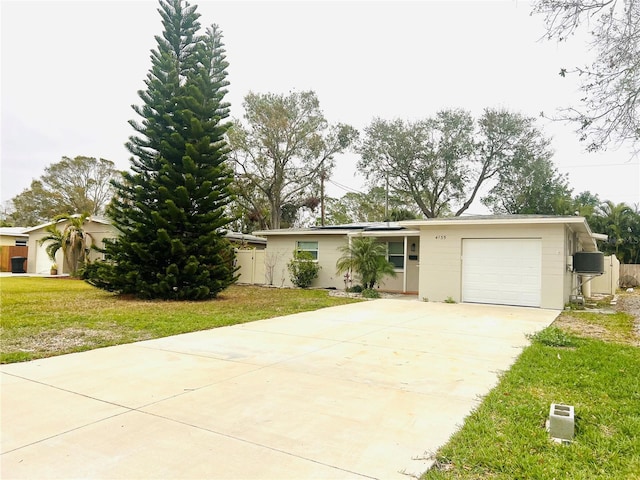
(302, 269)
(370, 293)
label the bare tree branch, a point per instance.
(609, 112)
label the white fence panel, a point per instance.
(252, 268)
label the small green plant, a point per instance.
(449, 300)
(302, 269)
(370, 293)
(425, 299)
(574, 306)
(604, 302)
(552, 337)
(368, 258)
(355, 289)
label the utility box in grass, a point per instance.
(561, 421)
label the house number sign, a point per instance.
(441, 237)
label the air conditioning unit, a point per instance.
(588, 263)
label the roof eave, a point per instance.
(95, 219)
(489, 221)
(386, 233)
(283, 232)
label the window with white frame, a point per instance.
(395, 254)
(311, 247)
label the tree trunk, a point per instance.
(275, 214)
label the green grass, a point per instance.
(43, 317)
(505, 438)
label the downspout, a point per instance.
(612, 289)
(350, 271)
(406, 266)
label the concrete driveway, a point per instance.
(356, 391)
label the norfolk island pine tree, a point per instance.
(170, 209)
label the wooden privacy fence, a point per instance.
(629, 275)
(6, 252)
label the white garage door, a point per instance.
(503, 271)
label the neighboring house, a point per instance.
(39, 262)
(100, 229)
(511, 260)
(323, 243)
(13, 243)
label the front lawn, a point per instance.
(43, 317)
(505, 438)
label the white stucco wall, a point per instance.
(280, 250)
(411, 269)
(10, 240)
(441, 258)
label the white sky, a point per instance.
(71, 70)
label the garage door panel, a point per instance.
(502, 271)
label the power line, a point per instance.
(600, 165)
(344, 187)
(626, 198)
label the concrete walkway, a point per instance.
(356, 391)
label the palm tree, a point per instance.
(367, 258)
(617, 219)
(73, 240)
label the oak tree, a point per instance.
(283, 150)
(71, 186)
(530, 185)
(442, 162)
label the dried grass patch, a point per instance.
(597, 326)
(67, 339)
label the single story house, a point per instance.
(38, 262)
(323, 244)
(13, 237)
(524, 260)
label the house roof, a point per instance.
(577, 224)
(364, 226)
(371, 228)
(13, 232)
(105, 221)
(245, 237)
(96, 219)
(495, 219)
